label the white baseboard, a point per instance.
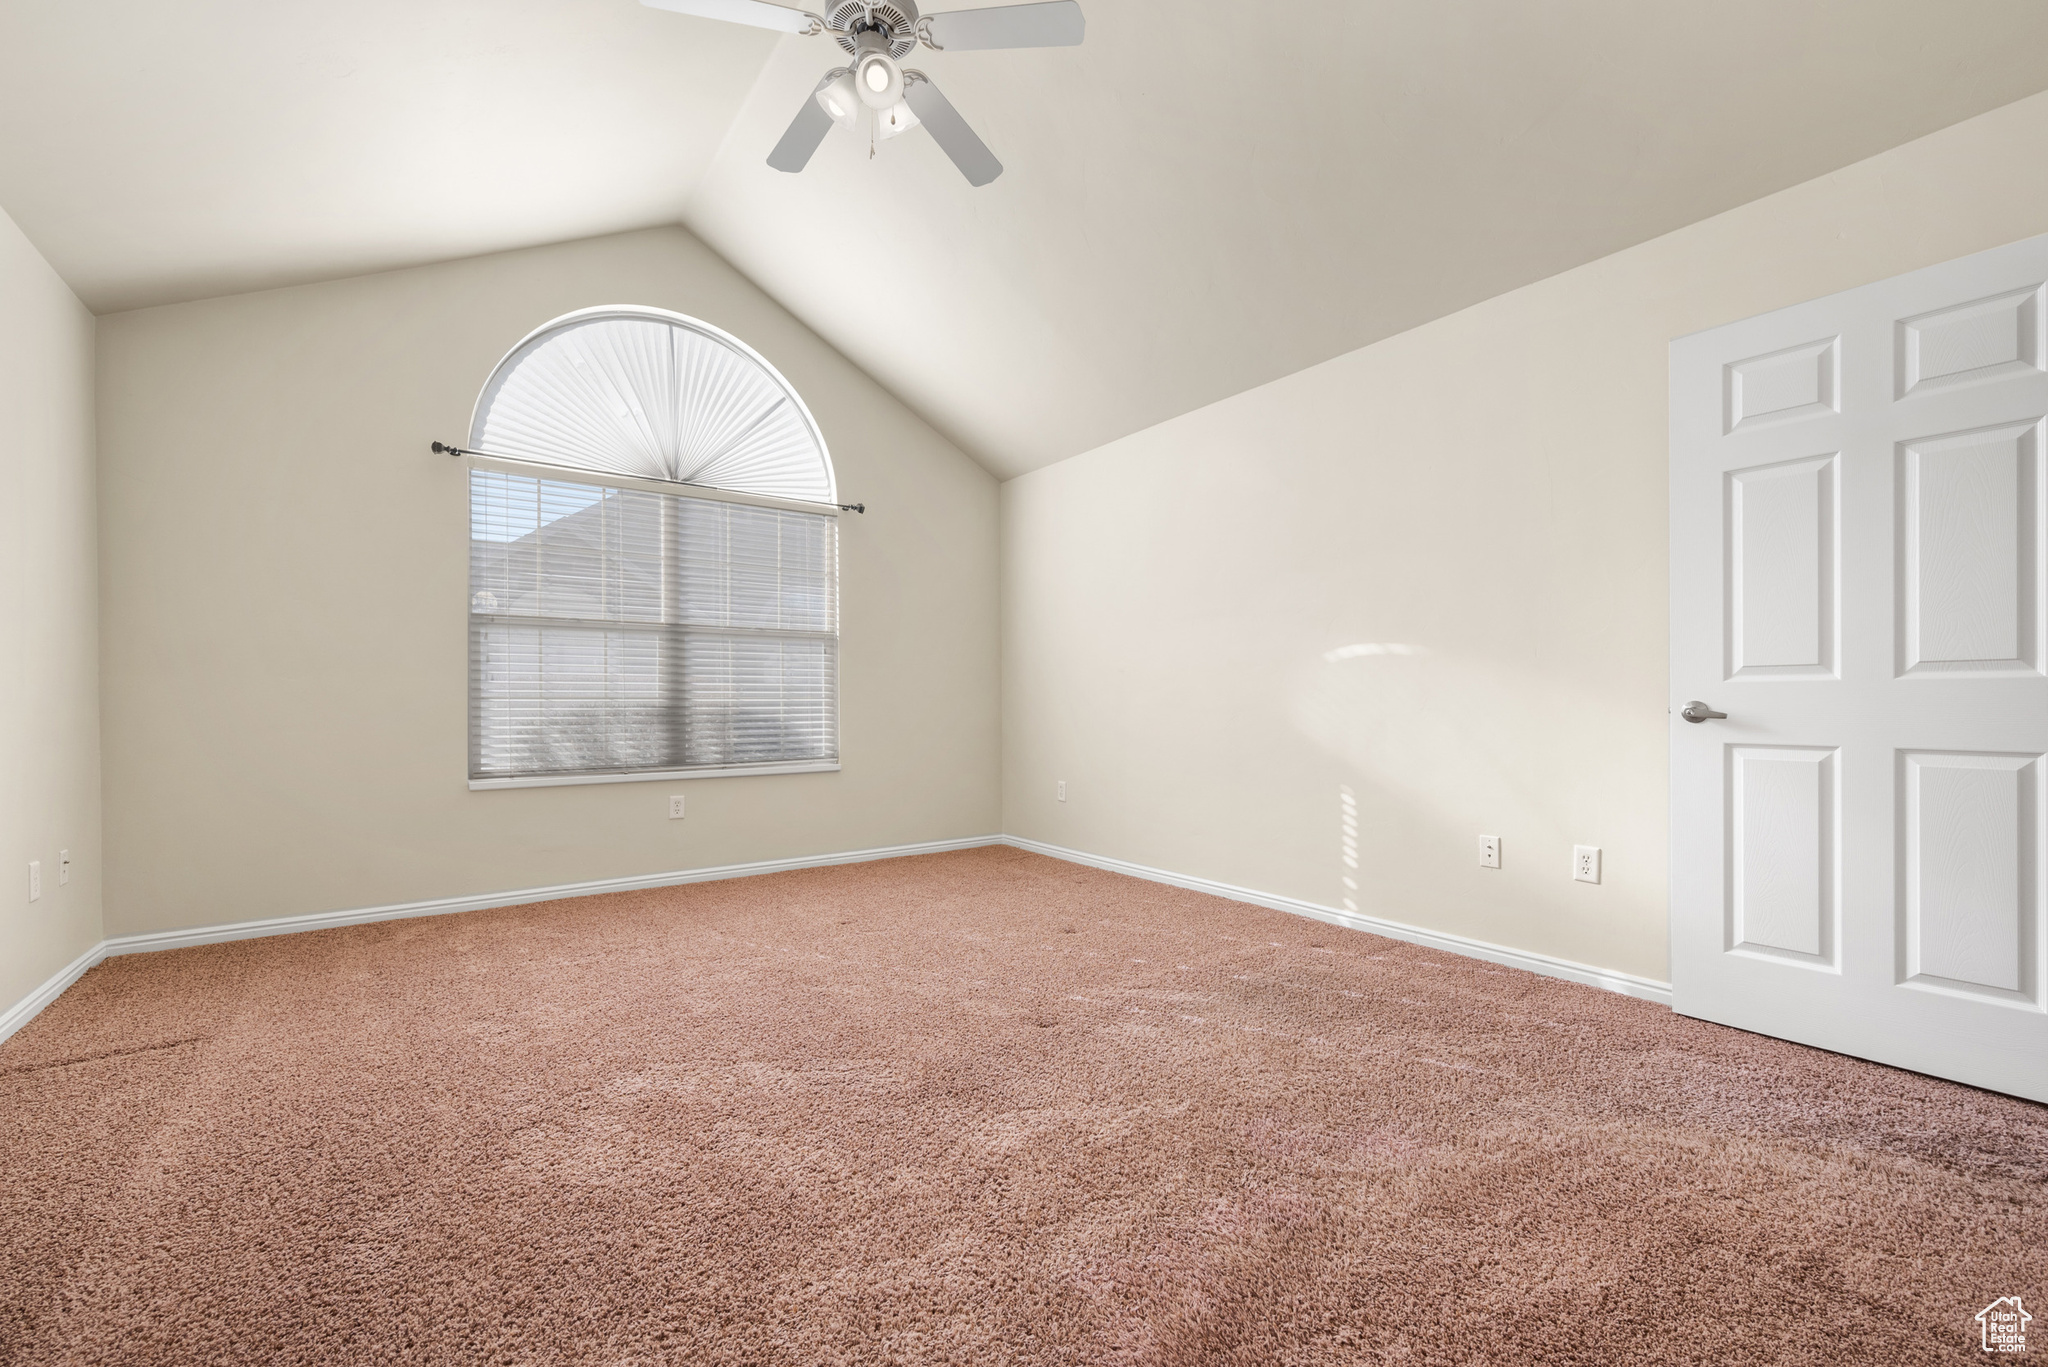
(1627, 984)
(24, 1011)
(442, 906)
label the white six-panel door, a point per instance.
(1859, 580)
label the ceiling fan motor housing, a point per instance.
(896, 21)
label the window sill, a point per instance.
(808, 766)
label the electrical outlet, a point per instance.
(1062, 791)
(63, 867)
(675, 807)
(1586, 863)
(1489, 851)
(35, 880)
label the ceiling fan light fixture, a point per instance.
(898, 118)
(879, 81)
(839, 99)
(876, 77)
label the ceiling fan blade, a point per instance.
(950, 131)
(759, 13)
(806, 131)
(1057, 23)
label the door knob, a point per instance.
(1699, 711)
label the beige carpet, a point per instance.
(978, 1108)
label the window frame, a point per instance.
(542, 465)
(595, 480)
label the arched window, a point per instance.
(654, 560)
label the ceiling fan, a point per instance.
(880, 34)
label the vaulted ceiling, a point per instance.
(1204, 196)
(159, 151)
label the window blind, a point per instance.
(616, 631)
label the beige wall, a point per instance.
(1489, 488)
(49, 650)
(284, 596)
